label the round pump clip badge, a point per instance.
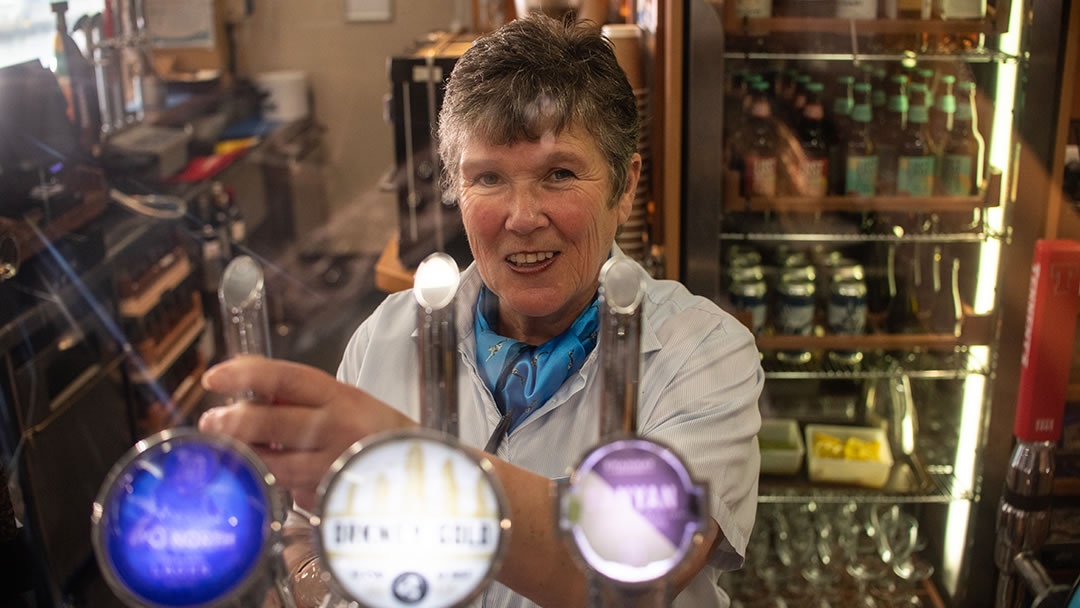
(410, 519)
(632, 510)
(184, 519)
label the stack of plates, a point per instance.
(633, 237)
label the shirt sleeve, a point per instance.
(708, 412)
(353, 357)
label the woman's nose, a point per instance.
(526, 212)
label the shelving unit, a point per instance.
(931, 366)
(949, 375)
(824, 25)
(797, 489)
(989, 196)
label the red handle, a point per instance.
(1048, 338)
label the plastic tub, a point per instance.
(868, 473)
(776, 460)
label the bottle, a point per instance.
(78, 81)
(856, 9)
(915, 165)
(798, 101)
(902, 310)
(841, 123)
(943, 113)
(914, 9)
(759, 140)
(733, 101)
(859, 152)
(891, 134)
(60, 57)
(925, 76)
(814, 144)
(753, 8)
(964, 150)
(880, 94)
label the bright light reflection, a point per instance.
(1001, 154)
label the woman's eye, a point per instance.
(487, 179)
(562, 174)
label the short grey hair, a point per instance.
(532, 76)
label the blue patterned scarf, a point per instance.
(523, 377)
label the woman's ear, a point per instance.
(626, 199)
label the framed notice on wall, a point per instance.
(368, 10)
(176, 24)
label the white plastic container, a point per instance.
(868, 473)
(286, 95)
(781, 461)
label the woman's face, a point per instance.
(540, 226)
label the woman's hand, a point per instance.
(301, 422)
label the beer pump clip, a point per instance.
(630, 510)
(1023, 520)
(190, 519)
(410, 518)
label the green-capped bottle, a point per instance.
(859, 151)
(759, 145)
(815, 148)
(891, 135)
(880, 96)
(964, 151)
(925, 76)
(915, 165)
(943, 113)
(840, 124)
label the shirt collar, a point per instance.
(469, 290)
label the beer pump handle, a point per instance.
(435, 287)
(1048, 338)
(622, 291)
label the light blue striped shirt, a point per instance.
(701, 378)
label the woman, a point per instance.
(538, 133)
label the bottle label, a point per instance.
(915, 175)
(796, 315)
(856, 9)
(887, 166)
(760, 109)
(918, 114)
(846, 315)
(963, 111)
(760, 176)
(753, 8)
(239, 231)
(814, 111)
(816, 175)
(861, 176)
(956, 175)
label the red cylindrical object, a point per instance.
(1048, 338)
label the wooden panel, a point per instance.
(1061, 219)
(672, 91)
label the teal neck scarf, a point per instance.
(522, 377)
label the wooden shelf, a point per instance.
(864, 343)
(179, 338)
(390, 275)
(990, 196)
(824, 25)
(138, 306)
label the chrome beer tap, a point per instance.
(622, 289)
(1023, 521)
(435, 287)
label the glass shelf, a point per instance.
(753, 26)
(798, 489)
(943, 366)
(855, 237)
(972, 56)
